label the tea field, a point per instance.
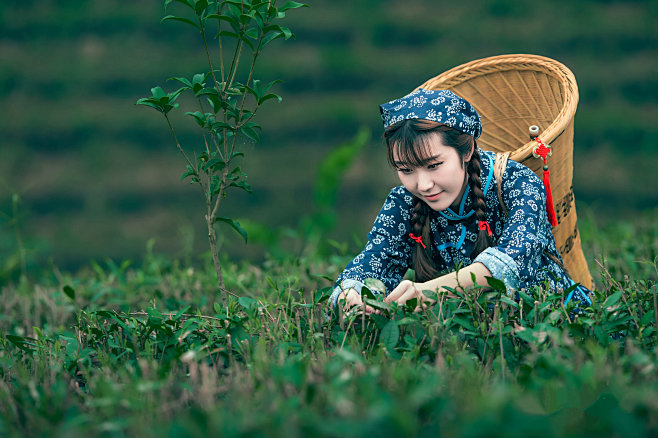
(151, 349)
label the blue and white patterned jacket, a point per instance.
(518, 258)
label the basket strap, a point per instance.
(499, 169)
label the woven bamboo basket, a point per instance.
(512, 92)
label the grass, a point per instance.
(120, 349)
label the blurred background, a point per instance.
(87, 175)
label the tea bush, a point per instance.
(140, 350)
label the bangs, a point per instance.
(409, 142)
(410, 148)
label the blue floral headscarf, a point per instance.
(442, 106)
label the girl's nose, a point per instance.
(424, 182)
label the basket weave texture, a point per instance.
(512, 92)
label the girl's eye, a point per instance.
(404, 170)
(435, 165)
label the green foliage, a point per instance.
(227, 98)
(125, 349)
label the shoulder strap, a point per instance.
(499, 169)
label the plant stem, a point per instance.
(180, 148)
(221, 49)
(205, 46)
(212, 239)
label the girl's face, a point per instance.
(441, 180)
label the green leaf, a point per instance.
(215, 163)
(189, 172)
(322, 295)
(496, 284)
(464, 322)
(367, 293)
(390, 335)
(222, 125)
(250, 133)
(247, 302)
(182, 20)
(158, 92)
(612, 299)
(155, 318)
(377, 304)
(22, 342)
(270, 37)
(242, 185)
(229, 34)
(187, 3)
(235, 225)
(375, 284)
(183, 81)
(411, 304)
(199, 117)
(68, 290)
(268, 97)
(252, 33)
(526, 298)
(278, 31)
(291, 5)
(230, 20)
(148, 102)
(200, 6)
(181, 312)
(215, 185)
(507, 300)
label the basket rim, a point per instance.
(520, 62)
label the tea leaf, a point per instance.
(390, 335)
(612, 299)
(291, 5)
(235, 225)
(496, 284)
(182, 20)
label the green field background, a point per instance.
(98, 177)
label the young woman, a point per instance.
(446, 221)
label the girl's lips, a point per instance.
(433, 197)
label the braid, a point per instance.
(477, 204)
(422, 258)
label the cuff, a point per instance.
(501, 266)
(344, 285)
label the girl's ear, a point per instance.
(468, 156)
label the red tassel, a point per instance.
(418, 239)
(542, 151)
(484, 226)
(550, 209)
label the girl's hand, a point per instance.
(353, 298)
(406, 291)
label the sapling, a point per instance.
(227, 97)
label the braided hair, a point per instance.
(410, 141)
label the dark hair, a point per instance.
(410, 139)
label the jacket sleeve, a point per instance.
(517, 257)
(387, 253)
